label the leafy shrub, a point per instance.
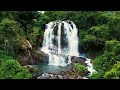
(114, 73)
(11, 69)
(80, 68)
(97, 75)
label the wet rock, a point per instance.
(65, 77)
(86, 73)
(56, 72)
(55, 77)
(26, 44)
(62, 73)
(34, 70)
(79, 77)
(62, 26)
(46, 26)
(24, 52)
(39, 57)
(55, 29)
(51, 76)
(44, 76)
(72, 78)
(80, 60)
(33, 57)
(27, 55)
(60, 77)
(84, 78)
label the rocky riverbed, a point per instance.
(55, 72)
(68, 72)
(64, 75)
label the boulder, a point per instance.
(55, 76)
(80, 60)
(39, 57)
(32, 57)
(28, 56)
(55, 29)
(24, 53)
(25, 44)
(52, 77)
(60, 77)
(86, 73)
(62, 73)
(34, 70)
(44, 77)
(23, 60)
(65, 77)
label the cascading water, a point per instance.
(60, 42)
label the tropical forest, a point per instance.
(59, 45)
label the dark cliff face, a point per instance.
(55, 29)
(39, 57)
(39, 40)
(27, 55)
(33, 58)
(64, 41)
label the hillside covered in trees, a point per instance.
(22, 33)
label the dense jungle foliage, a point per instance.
(98, 33)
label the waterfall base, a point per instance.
(66, 72)
(45, 68)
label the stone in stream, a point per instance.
(34, 70)
(55, 77)
(80, 60)
(45, 74)
(52, 77)
(44, 77)
(60, 77)
(62, 73)
(85, 78)
(65, 77)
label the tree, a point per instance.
(25, 18)
(101, 32)
(114, 27)
(11, 69)
(10, 32)
(105, 61)
(88, 41)
(114, 73)
(97, 75)
(110, 45)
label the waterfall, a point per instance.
(90, 66)
(60, 42)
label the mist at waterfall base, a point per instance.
(61, 43)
